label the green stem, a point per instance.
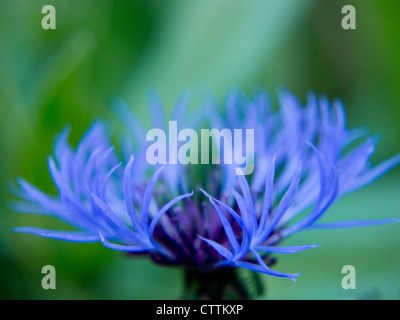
(222, 284)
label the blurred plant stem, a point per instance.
(222, 284)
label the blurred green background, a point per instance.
(102, 49)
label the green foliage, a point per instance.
(50, 78)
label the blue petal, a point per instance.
(266, 270)
(30, 208)
(244, 186)
(33, 194)
(130, 121)
(353, 223)
(156, 110)
(61, 146)
(232, 111)
(318, 210)
(219, 248)
(268, 195)
(127, 194)
(245, 212)
(124, 230)
(227, 227)
(147, 196)
(107, 177)
(164, 209)
(376, 172)
(284, 204)
(181, 107)
(232, 212)
(285, 250)
(121, 247)
(273, 272)
(73, 236)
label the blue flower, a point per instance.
(304, 160)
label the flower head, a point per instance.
(303, 162)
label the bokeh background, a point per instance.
(103, 49)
